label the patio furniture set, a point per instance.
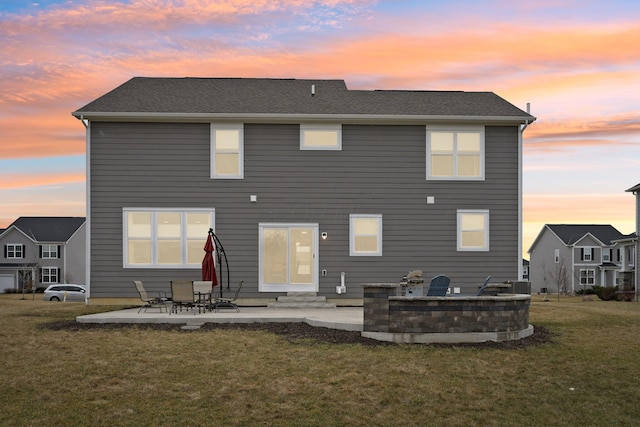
(188, 295)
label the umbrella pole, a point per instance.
(220, 253)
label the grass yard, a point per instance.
(588, 376)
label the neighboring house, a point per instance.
(39, 251)
(635, 190)
(302, 180)
(569, 257)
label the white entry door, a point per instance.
(288, 257)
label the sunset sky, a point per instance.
(576, 61)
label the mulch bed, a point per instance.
(299, 332)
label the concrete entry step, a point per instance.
(301, 300)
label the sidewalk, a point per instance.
(344, 318)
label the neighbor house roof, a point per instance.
(144, 97)
(48, 229)
(634, 189)
(571, 233)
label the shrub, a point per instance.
(606, 293)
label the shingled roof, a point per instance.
(233, 97)
(48, 229)
(571, 233)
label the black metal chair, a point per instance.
(228, 302)
(484, 286)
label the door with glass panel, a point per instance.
(288, 257)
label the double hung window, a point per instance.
(587, 277)
(455, 154)
(14, 251)
(473, 230)
(365, 237)
(227, 151)
(49, 275)
(49, 251)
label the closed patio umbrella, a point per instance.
(208, 263)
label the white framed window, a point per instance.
(455, 153)
(606, 254)
(587, 254)
(365, 235)
(165, 238)
(587, 277)
(13, 251)
(49, 251)
(320, 137)
(49, 275)
(227, 151)
(473, 230)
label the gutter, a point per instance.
(289, 118)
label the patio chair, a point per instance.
(228, 302)
(182, 296)
(159, 301)
(484, 286)
(439, 286)
(203, 290)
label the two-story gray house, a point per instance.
(302, 181)
(571, 257)
(39, 251)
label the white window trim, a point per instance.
(485, 246)
(321, 127)
(49, 270)
(263, 287)
(586, 277)
(49, 251)
(456, 129)
(15, 246)
(154, 247)
(227, 126)
(352, 237)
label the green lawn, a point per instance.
(588, 376)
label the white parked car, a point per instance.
(65, 292)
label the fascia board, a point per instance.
(588, 234)
(288, 118)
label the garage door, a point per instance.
(6, 282)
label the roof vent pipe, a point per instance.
(528, 108)
(313, 90)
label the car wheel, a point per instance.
(54, 299)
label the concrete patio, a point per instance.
(344, 318)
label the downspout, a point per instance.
(87, 227)
(520, 187)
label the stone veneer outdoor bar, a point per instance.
(449, 319)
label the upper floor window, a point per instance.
(13, 251)
(320, 137)
(165, 238)
(49, 251)
(586, 254)
(455, 154)
(365, 235)
(606, 254)
(473, 230)
(227, 151)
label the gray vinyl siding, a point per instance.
(380, 170)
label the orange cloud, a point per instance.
(24, 180)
